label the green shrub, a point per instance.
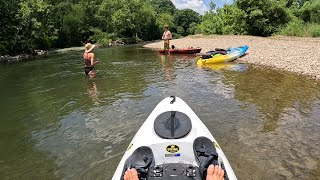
(131, 40)
(192, 28)
(313, 30)
(176, 35)
(211, 24)
(3, 50)
(104, 42)
(262, 18)
(180, 30)
(310, 12)
(45, 42)
(299, 28)
(100, 37)
(294, 28)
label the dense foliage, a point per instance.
(27, 25)
(264, 18)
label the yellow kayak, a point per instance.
(214, 57)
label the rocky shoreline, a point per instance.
(41, 53)
(294, 54)
(37, 54)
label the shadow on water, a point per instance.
(58, 124)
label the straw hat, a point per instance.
(89, 47)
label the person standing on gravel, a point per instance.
(167, 36)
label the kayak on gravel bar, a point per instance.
(182, 51)
(173, 144)
(221, 55)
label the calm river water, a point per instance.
(57, 124)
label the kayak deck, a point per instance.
(172, 132)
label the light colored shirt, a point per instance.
(167, 35)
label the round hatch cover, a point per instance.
(172, 125)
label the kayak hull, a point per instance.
(232, 54)
(148, 137)
(181, 51)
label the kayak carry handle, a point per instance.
(173, 99)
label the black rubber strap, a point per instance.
(173, 116)
(205, 152)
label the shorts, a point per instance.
(87, 69)
(166, 45)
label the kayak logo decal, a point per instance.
(172, 155)
(173, 148)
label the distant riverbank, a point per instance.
(40, 53)
(294, 54)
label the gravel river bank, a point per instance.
(294, 54)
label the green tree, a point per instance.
(58, 13)
(192, 28)
(104, 14)
(232, 19)
(33, 25)
(164, 19)
(184, 18)
(180, 30)
(211, 24)
(163, 6)
(212, 6)
(9, 24)
(90, 17)
(27, 25)
(73, 26)
(310, 11)
(133, 18)
(263, 18)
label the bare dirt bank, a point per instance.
(299, 55)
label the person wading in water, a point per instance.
(167, 36)
(88, 57)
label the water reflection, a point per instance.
(273, 93)
(93, 92)
(168, 69)
(224, 66)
